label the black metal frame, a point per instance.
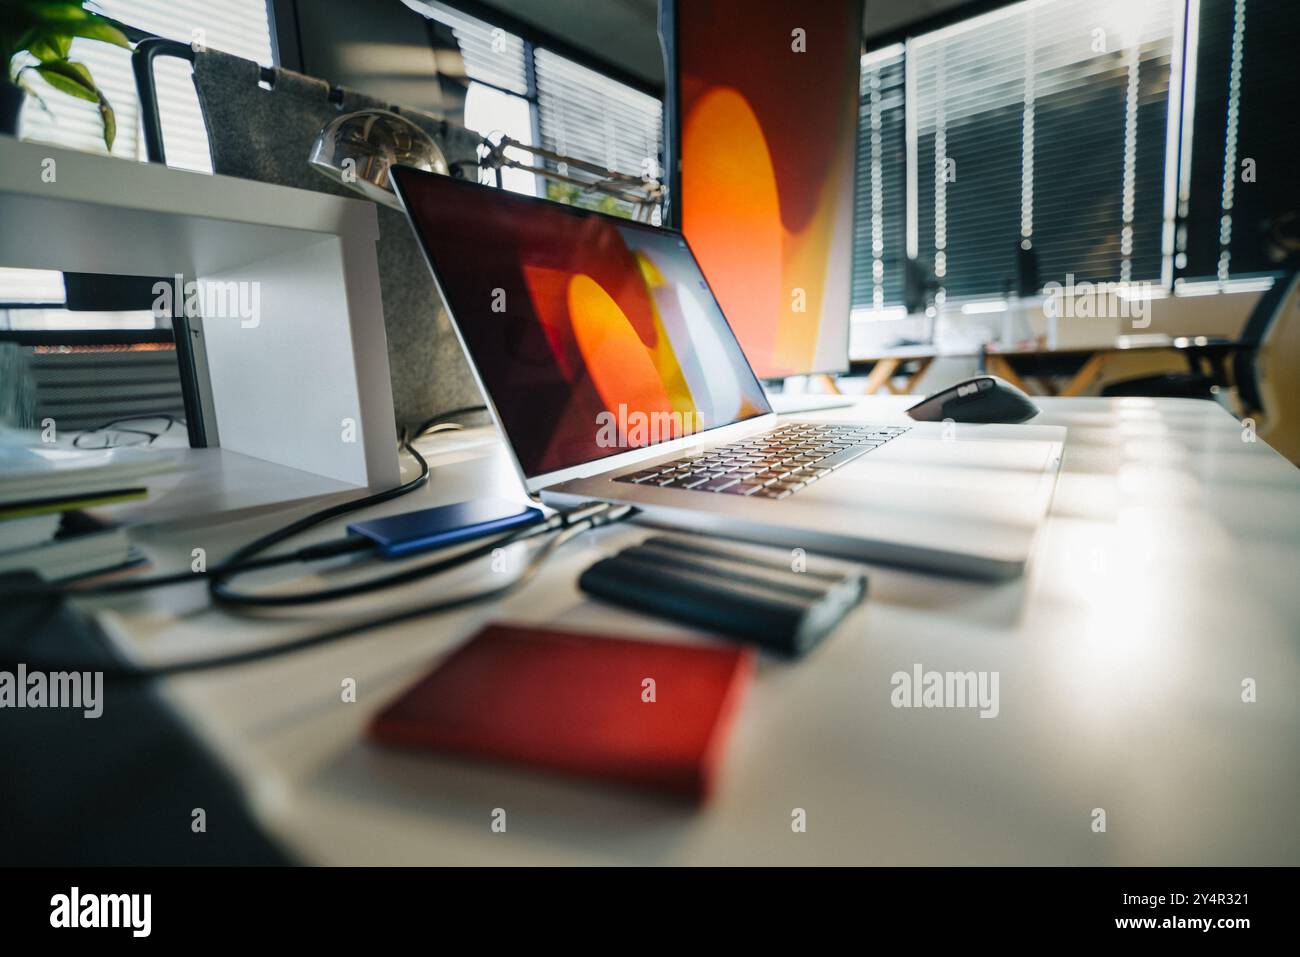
(286, 35)
(142, 60)
(672, 120)
(146, 51)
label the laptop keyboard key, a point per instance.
(772, 465)
(743, 488)
(644, 475)
(844, 457)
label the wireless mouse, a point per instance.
(985, 398)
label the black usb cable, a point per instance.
(571, 524)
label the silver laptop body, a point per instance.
(964, 499)
(960, 499)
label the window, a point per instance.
(236, 26)
(593, 118)
(1238, 177)
(34, 300)
(1138, 140)
(880, 213)
(497, 99)
(540, 98)
(1042, 127)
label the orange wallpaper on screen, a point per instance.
(767, 144)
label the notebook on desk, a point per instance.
(647, 714)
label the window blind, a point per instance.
(62, 120)
(1243, 119)
(1043, 126)
(239, 27)
(573, 110)
(492, 55)
(880, 195)
(496, 96)
(585, 114)
(30, 285)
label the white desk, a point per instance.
(1166, 575)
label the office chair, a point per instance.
(1165, 385)
(1269, 311)
(1268, 372)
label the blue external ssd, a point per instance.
(400, 535)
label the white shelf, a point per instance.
(282, 388)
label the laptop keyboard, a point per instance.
(774, 464)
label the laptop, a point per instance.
(614, 376)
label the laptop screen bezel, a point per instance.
(600, 463)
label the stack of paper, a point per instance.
(44, 492)
(29, 473)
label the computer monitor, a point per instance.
(763, 104)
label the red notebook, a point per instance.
(576, 703)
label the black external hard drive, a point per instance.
(738, 591)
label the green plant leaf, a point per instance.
(52, 13)
(100, 29)
(71, 78)
(35, 95)
(110, 121)
(45, 29)
(14, 44)
(51, 48)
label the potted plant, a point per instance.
(36, 38)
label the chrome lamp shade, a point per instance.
(356, 150)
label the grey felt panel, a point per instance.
(266, 135)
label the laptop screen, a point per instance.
(591, 335)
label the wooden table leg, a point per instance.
(880, 374)
(1000, 367)
(831, 386)
(1086, 375)
(909, 378)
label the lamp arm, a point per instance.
(602, 186)
(642, 192)
(584, 165)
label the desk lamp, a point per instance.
(356, 150)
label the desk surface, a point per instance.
(1165, 576)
